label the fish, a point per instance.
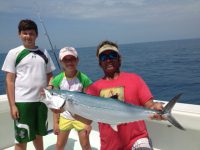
(105, 110)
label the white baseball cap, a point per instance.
(67, 51)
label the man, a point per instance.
(28, 69)
(127, 87)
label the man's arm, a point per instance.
(10, 89)
(154, 105)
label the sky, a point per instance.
(84, 23)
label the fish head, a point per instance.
(53, 101)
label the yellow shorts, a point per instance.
(68, 124)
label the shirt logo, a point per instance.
(115, 92)
(33, 56)
(21, 134)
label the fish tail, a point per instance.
(167, 112)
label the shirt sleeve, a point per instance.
(50, 65)
(84, 79)
(144, 92)
(9, 62)
(92, 90)
(57, 80)
(87, 82)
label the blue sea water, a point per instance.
(168, 67)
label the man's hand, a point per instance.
(156, 106)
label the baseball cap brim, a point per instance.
(67, 51)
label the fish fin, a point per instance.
(167, 112)
(114, 127)
(171, 103)
(173, 121)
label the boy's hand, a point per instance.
(14, 112)
(56, 129)
(57, 111)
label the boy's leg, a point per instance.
(42, 122)
(83, 135)
(24, 126)
(20, 146)
(31, 125)
(84, 140)
(65, 126)
(62, 139)
(38, 142)
(42, 125)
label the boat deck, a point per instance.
(72, 144)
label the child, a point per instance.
(73, 80)
(28, 69)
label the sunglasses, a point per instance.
(110, 56)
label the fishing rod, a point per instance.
(47, 35)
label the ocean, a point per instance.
(168, 67)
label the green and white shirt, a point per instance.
(77, 83)
(31, 73)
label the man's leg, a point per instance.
(142, 144)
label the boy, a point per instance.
(28, 69)
(73, 80)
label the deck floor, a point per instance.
(72, 144)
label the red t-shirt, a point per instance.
(130, 88)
